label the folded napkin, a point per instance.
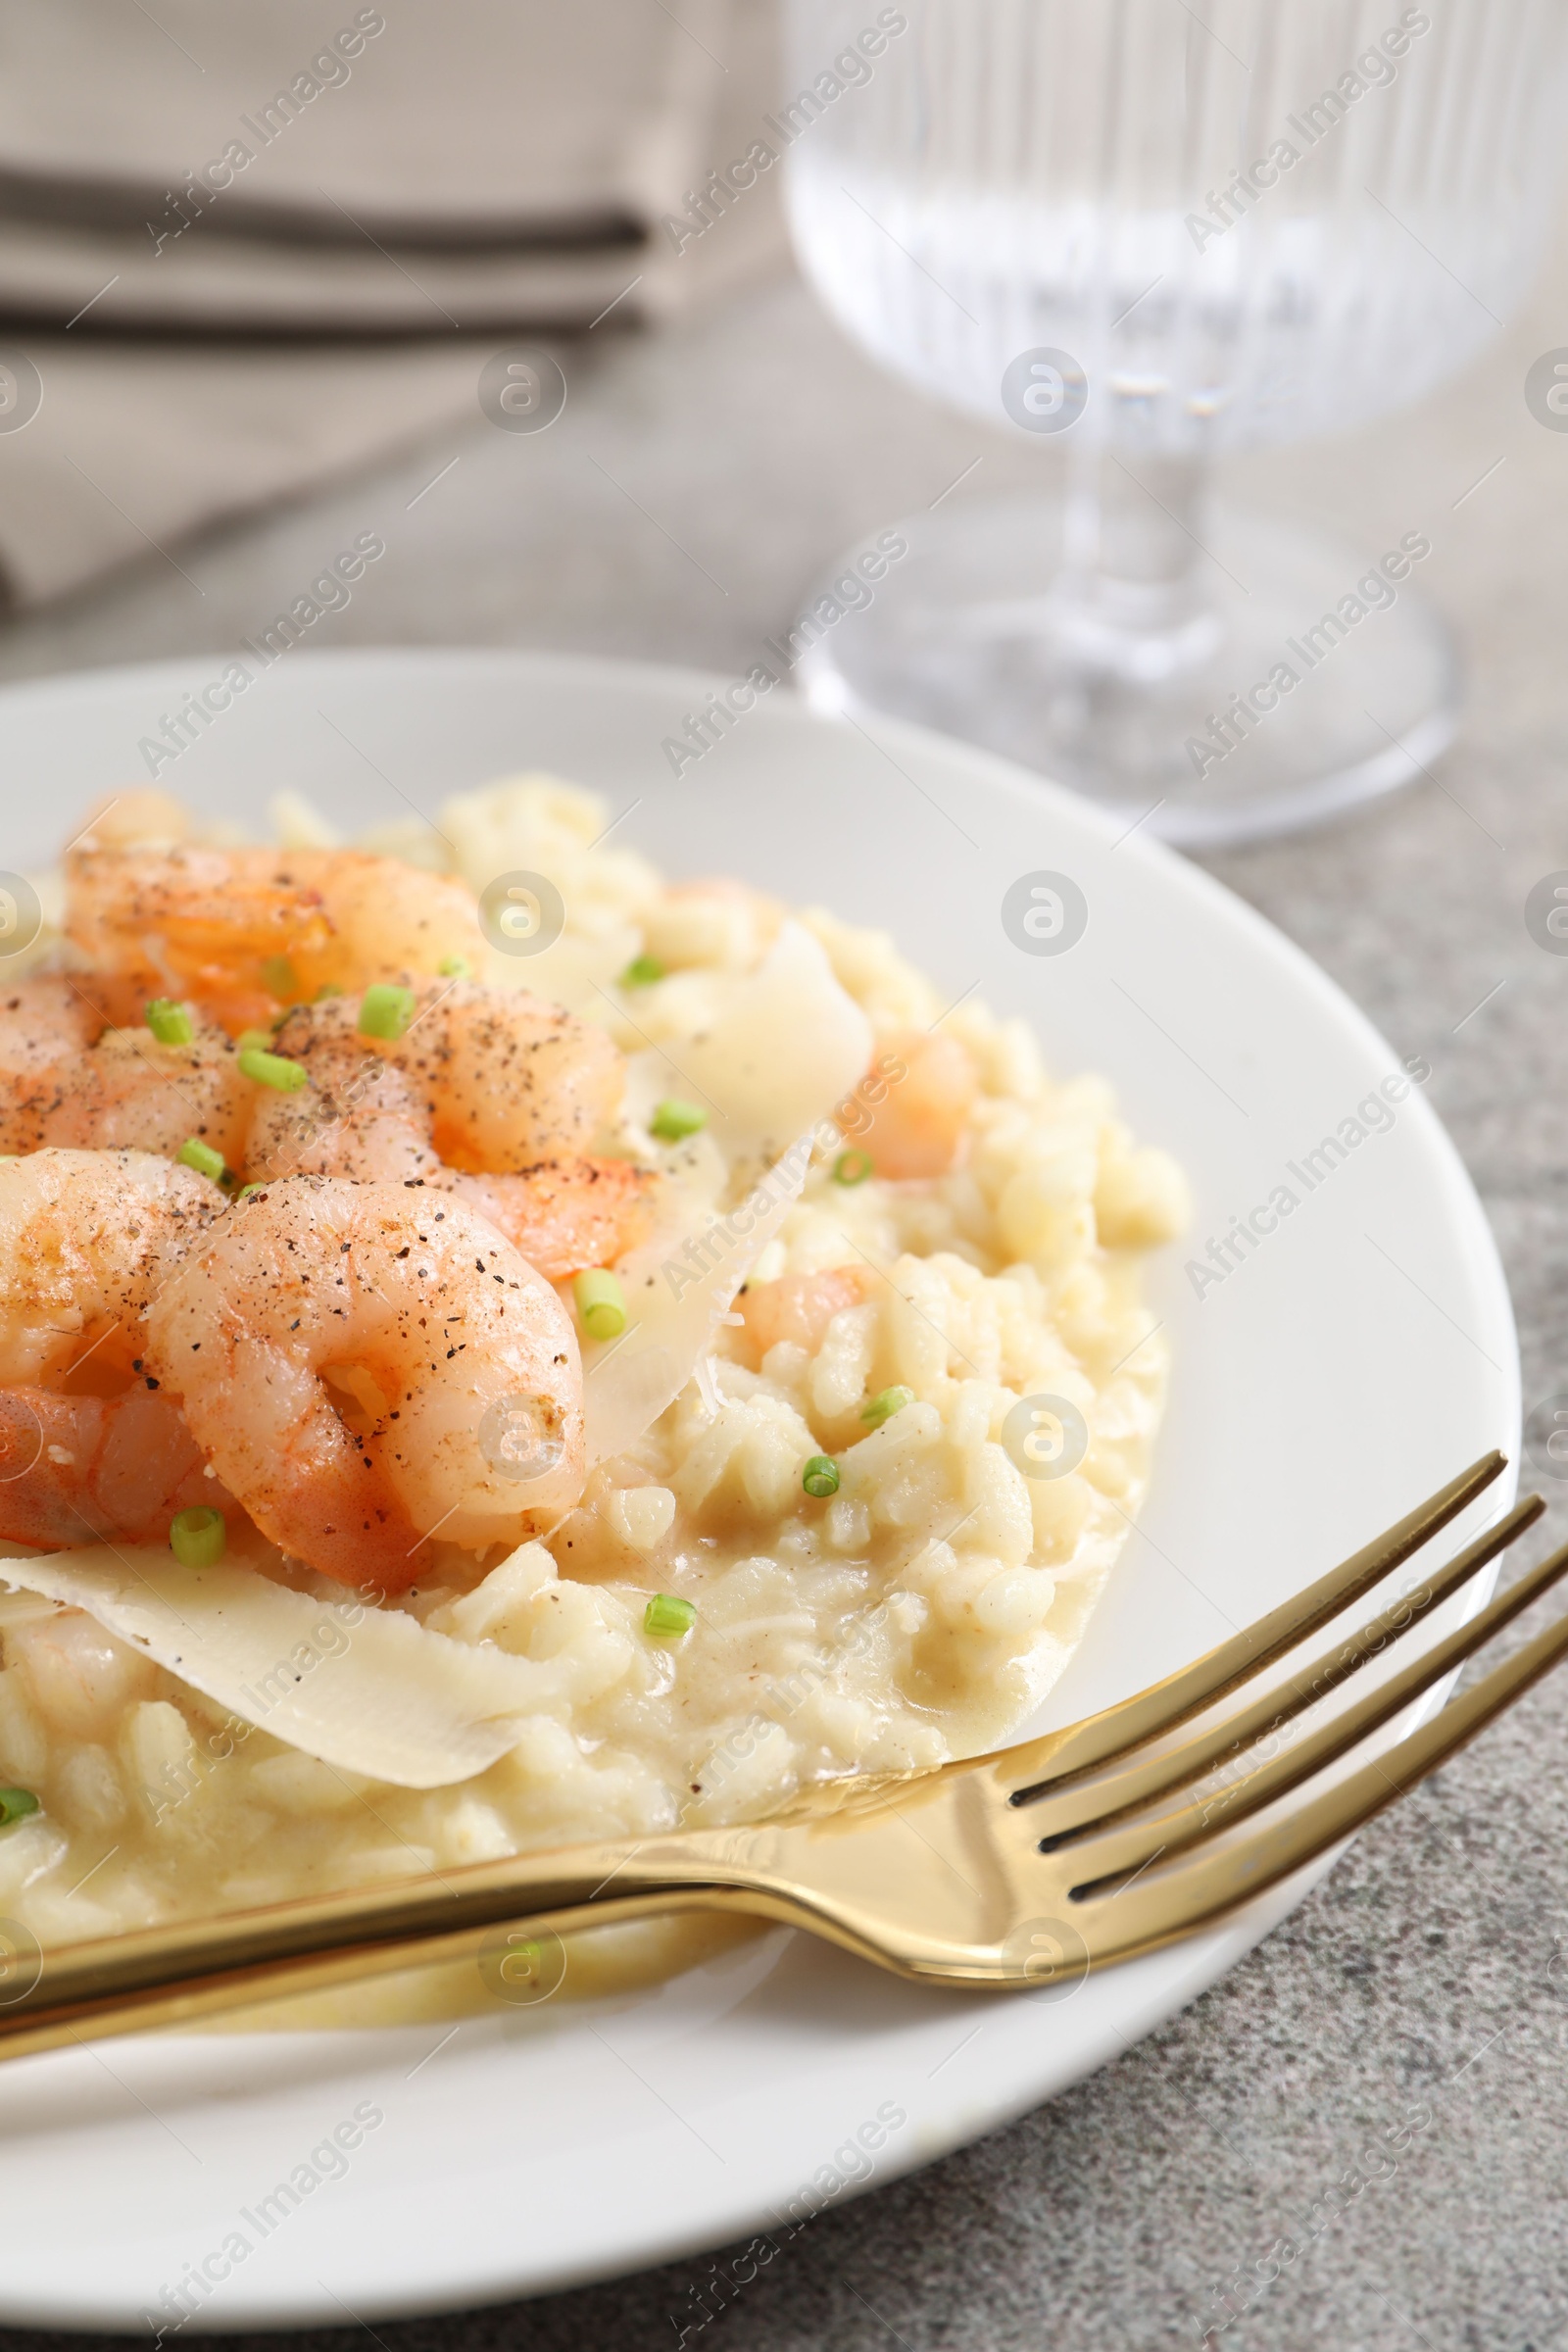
(194, 198)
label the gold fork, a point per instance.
(1022, 1868)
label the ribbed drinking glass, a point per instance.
(1146, 239)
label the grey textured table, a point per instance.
(677, 512)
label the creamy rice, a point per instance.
(920, 1612)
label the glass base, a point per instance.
(1305, 683)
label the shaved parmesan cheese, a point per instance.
(679, 1287)
(786, 1043)
(365, 1689)
(773, 1056)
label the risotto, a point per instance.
(497, 1348)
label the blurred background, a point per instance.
(485, 284)
(513, 291)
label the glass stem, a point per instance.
(1132, 597)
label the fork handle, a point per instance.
(182, 1974)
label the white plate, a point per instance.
(1362, 1356)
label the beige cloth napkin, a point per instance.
(175, 177)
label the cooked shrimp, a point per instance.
(365, 1119)
(928, 1087)
(366, 1366)
(83, 1469)
(217, 925)
(85, 1239)
(42, 1020)
(245, 931)
(44, 1023)
(138, 1095)
(564, 1214)
(62, 1083)
(800, 1306)
(505, 1079)
(359, 1117)
(138, 816)
(386, 921)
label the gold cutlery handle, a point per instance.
(188, 1972)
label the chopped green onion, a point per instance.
(601, 1302)
(882, 1408)
(15, 1805)
(194, 1153)
(279, 978)
(326, 992)
(642, 973)
(820, 1476)
(273, 1070)
(246, 1190)
(852, 1167)
(198, 1537)
(668, 1613)
(454, 968)
(385, 1011)
(672, 1121)
(169, 1022)
(261, 1039)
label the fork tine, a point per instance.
(1203, 1817)
(1083, 1809)
(1162, 1905)
(1081, 1747)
